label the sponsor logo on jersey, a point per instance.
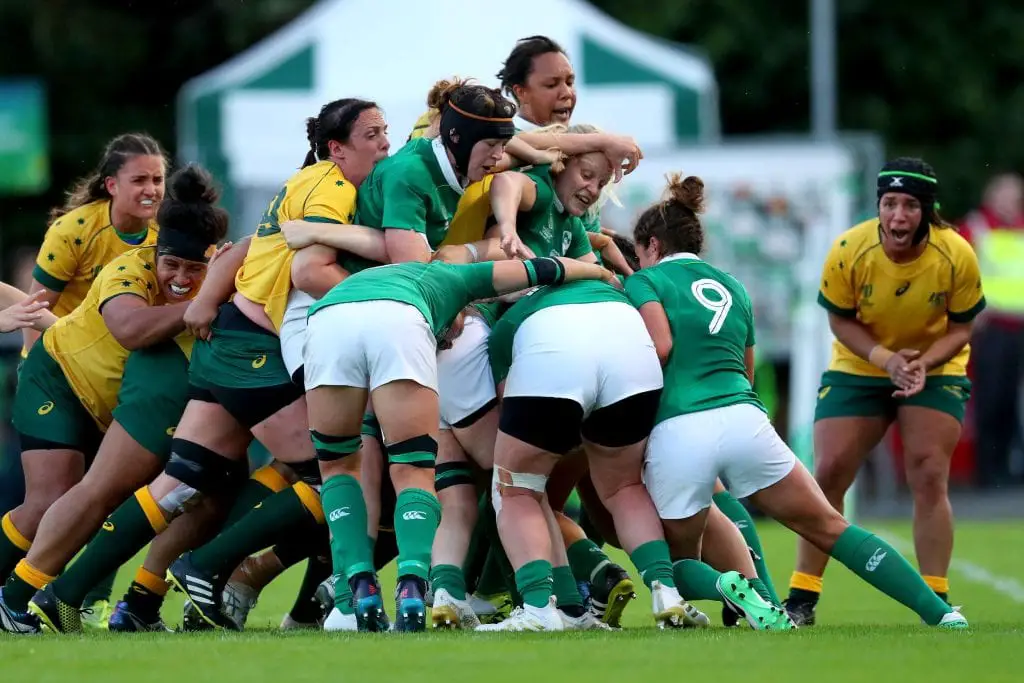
(903, 288)
(937, 299)
(45, 408)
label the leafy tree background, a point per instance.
(940, 80)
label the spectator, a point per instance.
(996, 231)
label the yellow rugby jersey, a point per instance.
(419, 129)
(76, 246)
(473, 214)
(317, 193)
(91, 358)
(904, 305)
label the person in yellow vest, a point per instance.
(901, 291)
(108, 379)
(996, 230)
(106, 214)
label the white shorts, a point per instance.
(595, 354)
(464, 376)
(293, 329)
(368, 344)
(685, 455)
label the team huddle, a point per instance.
(437, 347)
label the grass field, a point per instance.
(861, 636)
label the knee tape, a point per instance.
(174, 502)
(502, 479)
(452, 474)
(200, 468)
(419, 451)
(330, 447)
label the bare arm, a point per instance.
(355, 239)
(31, 334)
(611, 253)
(406, 245)
(474, 252)
(511, 193)
(947, 346)
(315, 270)
(218, 285)
(658, 327)
(135, 324)
(623, 152)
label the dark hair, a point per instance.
(334, 122)
(93, 187)
(519, 64)
(628, 249)
(190, 206)
(470, 97)
(674, 221)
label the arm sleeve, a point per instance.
(967, 299)
(836, 293)
(331, 201)
(58, 258)
(639, 290)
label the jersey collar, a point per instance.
(558, 204)
(678, 256)
(523, 125)
(446, 166)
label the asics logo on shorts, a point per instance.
(169, 431)
(45, 408)
(338, 514)
(875, 560)
(413, 514)
(259, 362)
(108, 525)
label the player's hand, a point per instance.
(624, 154)
(901, 371)
(298, 235)
(220, 251)
(199, 316)
(611, 278)
(917, 374)
(512, 245)
(25, 313)
(452, 333)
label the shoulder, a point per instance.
(540, 173)
(952, 244)
(139, 262)
(85, 221)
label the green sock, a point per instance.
(17, 593)
(124, 533)
(450, 578)
(653, 562)
(535, 583)
(274, 520)
(417, 515)
(567, 593)
(342, 589)
(587, 560)
(696, 580)
(738, 515)
(881, 565)
(345, 509)
(251, 493)
(10, 549)
(102, 590)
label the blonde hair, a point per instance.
(608, 192)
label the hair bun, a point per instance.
(688, 191)
(442, 91)
(193, 184)
(311, 131)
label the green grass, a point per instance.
(861, 636)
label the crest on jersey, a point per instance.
(896, 182)
(566, 241)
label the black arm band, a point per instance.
(544, 271)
